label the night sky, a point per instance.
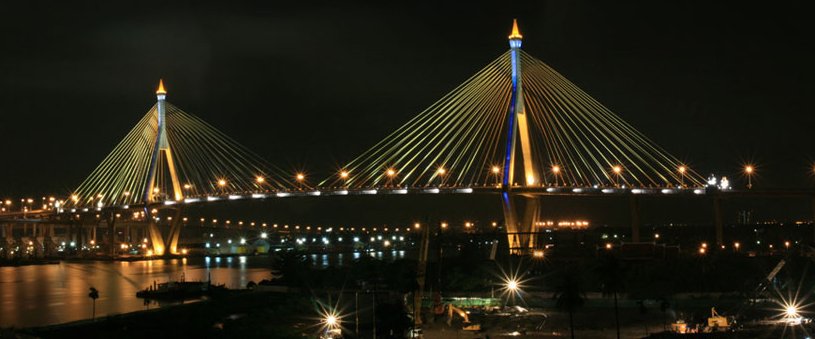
(310, 87)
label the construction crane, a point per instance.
(451, 309)
(762, 286)
(717, 322)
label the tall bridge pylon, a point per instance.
(162, 151)
(518, 230)
(170, 158)
(516, 109)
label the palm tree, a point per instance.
(569, 296)
(611, 282)
(93, 294)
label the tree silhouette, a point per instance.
(611, 277)
(569, 295)
(93, 294)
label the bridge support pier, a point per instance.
(155, 236)
(520, 237)
(110, 218)
(169, 244)
(718, 223)
(634, 203)
(175, 232)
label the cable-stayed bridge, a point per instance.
(517, 128)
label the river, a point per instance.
(39, 295)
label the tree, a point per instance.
(569, 295)
(610, 272)
(94, 294)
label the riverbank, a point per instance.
(236, 314)
(52, 260)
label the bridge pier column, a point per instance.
(519, 229)
(175, 232)
(156, 238)
(717, 220)
(634, 203)
(110, 220)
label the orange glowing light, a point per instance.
(161, 89)
(516, 33)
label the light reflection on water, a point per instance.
(49, 294)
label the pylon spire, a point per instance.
(516, 33)
(161, 90)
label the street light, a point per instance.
(617, 169)
(512, 285)
(791, 311)
(748, 170)
(390, 173)
(682, 169)
(331, 320)
(301, 178)
(556, 173)
(496, 171)
(260, 179)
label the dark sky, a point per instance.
(309, 87)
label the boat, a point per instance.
(179, 290)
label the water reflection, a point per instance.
(49, 294)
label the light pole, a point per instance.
(512, 287)
(222, 185)
(344, 176)
(618, 170)
(748, 170)
(556, 173)
(260, 180)
(682, 169)
(301, 178)
(390, 173)
(496, 171)
(440, 173)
